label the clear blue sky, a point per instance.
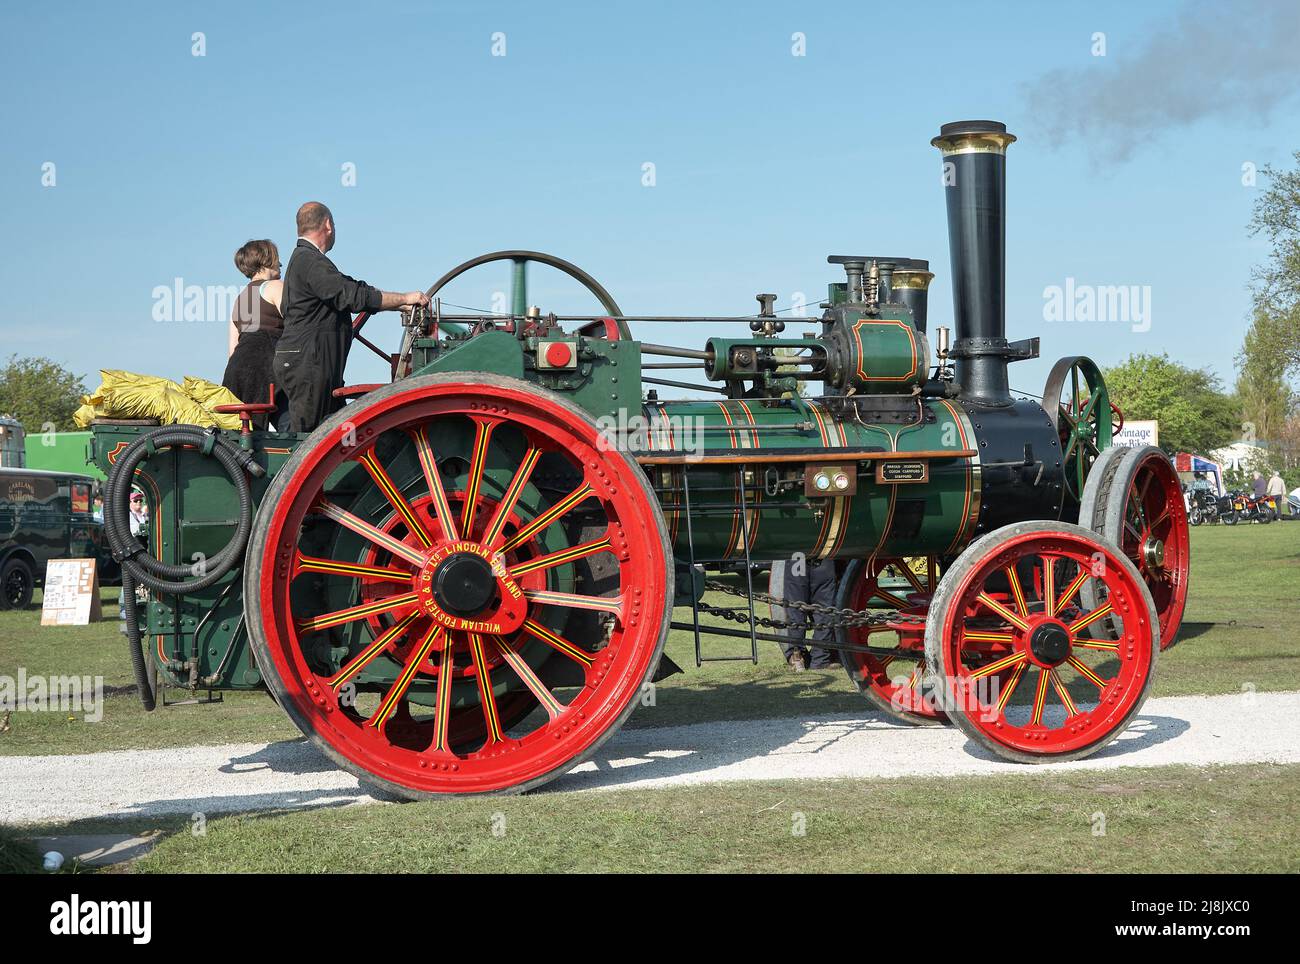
(765, 162)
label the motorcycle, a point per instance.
(1204, 506)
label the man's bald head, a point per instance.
(316, 223)
(312, 217)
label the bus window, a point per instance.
(80, 497)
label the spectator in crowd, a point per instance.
(1277, 492)
(1259, 485)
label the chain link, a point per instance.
(838, 617)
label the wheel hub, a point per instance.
(1153, 552)
(1050, 643)
(465, 586)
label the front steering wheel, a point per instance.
(518, 294)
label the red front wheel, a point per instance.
(454, 586)
(1019, 662)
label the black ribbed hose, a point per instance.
(140, 567)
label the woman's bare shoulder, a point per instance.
(271, 291)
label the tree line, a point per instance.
(1195, 411)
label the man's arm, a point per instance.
(348, 294)
(396, 299)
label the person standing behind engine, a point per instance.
(255, 325)
(318, 302)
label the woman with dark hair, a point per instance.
(255, 327)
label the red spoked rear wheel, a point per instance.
(895, 685)
(1024, 672)
(454, 586)
(1139, 506)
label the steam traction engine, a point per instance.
(463, 580)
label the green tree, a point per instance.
(1267, 400)
(39, 392)
(1195, 414)
(1275, 284)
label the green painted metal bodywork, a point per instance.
(194, 506)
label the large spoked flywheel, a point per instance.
(454, 587)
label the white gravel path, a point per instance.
(1255, 728)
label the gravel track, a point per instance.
(1197, 730)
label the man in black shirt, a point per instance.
(317, 303)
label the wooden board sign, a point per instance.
(71, 596)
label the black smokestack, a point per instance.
(975, 182)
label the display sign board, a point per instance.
(1139, 433)
(71, 596)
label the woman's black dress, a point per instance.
(248, 373)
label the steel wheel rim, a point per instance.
(611, 677)
(1010, 642)
(1083, 422)
(1155, 522)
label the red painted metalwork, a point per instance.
(1084, 672)
(434, 755)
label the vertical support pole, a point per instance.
(690, 555)
(519, 287)
(749, 570)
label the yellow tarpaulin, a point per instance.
(128, 395)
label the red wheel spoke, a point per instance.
(1063, 694)
(884, 595)
(1040, 698)
(1075, 585)
(394, 497)
(1049, 585)
(561, 557)
(353, 613)
(1017, 590)
(1085, 643)
(1083, 670)
(910, 576)
(364, 529)
(488, 700)
(442, 698)
(556, 641)
(511, 496)
(1005, 696)
(1003, 611)
(574, 498)
(525, 672)
(1085, 621)
(998, 665)
(367, 655)
(603, 604)
(433, 479)
(334, 567)
(982, 636)
(404, 679)
(483, 428)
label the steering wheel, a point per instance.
(518, 296)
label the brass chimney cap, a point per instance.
(911, 278)
(973, 137)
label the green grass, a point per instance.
(1171, 819)
(17, 855)
(1250, 574)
